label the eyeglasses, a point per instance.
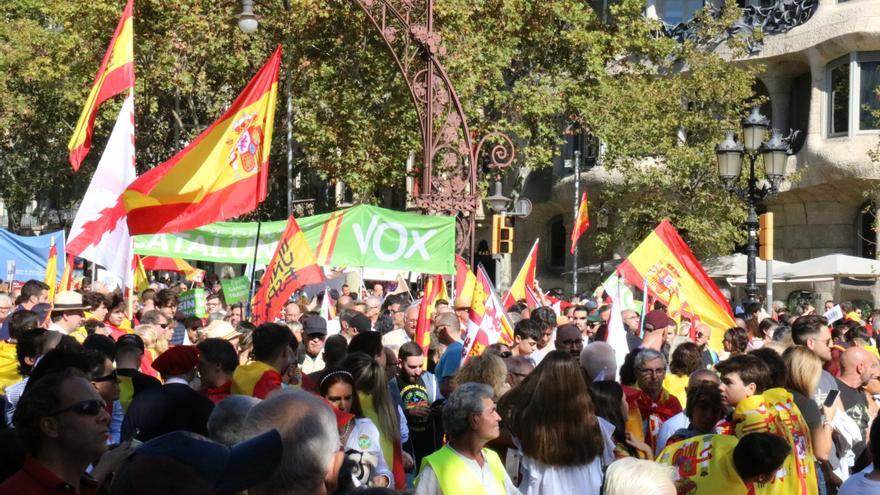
(112, 377)
(655, 371)
(83, 408)
(505, 354)
(163, 325)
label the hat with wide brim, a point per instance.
(68, 300)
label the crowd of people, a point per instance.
(106, 394)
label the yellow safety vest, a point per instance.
(455, 477)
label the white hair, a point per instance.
(310, 437)
(629, 475)
(226, 424)
(597, 359)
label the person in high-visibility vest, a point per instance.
(464, 465)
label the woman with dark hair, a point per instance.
(551, 415)
(610, 404)
(686, 358)
(765, 332)
(376, 404)
(116, 320)
(358, 435)
(735, 341)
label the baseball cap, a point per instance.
(658, 319)
(185, 463)
(315, 324)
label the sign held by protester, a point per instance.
(192, 303)
(235, 290)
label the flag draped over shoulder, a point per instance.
(487, 320)
(675, 276)
(221, 174)
(581, 222)
(435, 287)
(525, 278)
(115, 75)
(293, 265)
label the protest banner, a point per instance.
(235, 290)
(192, 303)
(360, 236)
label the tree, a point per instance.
(520, 66)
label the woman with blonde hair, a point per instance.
(565, 445)
(803, 369)
(488, 369)
(154, 345)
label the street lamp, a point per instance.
(497, 201)
(730, 154)
(247, 20)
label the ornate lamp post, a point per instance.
(730, 154)
(450, 160)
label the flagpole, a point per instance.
(254, 270)
(577, 190)
(644, 306)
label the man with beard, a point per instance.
(419, 394)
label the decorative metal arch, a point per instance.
(449, 165)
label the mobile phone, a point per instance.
(831, 397)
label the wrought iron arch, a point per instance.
(450, 161)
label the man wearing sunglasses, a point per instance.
(63, 424)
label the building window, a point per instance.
(838, 111)
(869, 100)
(853, 82)
(557, 242)
(674, 11)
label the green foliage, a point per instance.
(520, 66)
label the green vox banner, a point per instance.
(360, 236)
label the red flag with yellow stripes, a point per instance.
(581, 222)
(220, 175)
(115, 75)
(435, 287)
(293, 265)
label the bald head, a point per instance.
(858, 366)
(598, 359)
(702, 333)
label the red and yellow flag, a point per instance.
(220, 175)
(434, 289)
(52, 269)
(173, 265)
(487, 319)
(115, 75)
(141, 280)
(676, 277)
(293, 265)
(67, 275)
(465, 281)
(581, 222)
(525, 278)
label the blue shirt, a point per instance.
(450, 361)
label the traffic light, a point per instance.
(765, 236)
(502, 234)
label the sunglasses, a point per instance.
(83, 408)
(112, 377)
(163, 325)
(505, 354)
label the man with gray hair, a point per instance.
(226, 424)
(655, 403)
(599, 362)
(312, 456)
(470, 421)
(448, 331)
(518, 368)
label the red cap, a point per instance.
(178, 360)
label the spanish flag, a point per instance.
(465, 281)
(141, 281)
(525, 278)
(292, 266)
(581, 222)
(677, 279)
(220, 175)
(115, 75)
(52, 269)
(178, 265)
(435, 288)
